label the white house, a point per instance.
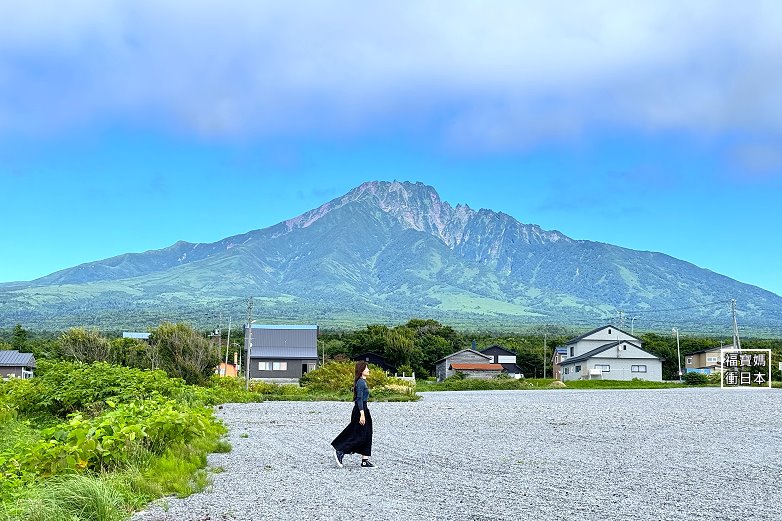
(608, 353)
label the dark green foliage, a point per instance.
(61, 388)
(19, 338)
(693, 378)
(183, 352)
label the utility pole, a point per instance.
(621, 319)
(632, 325)
(545, 331)
(736, 340)
(220, 339)
(227, 343)
(678, 353)
(248, 341)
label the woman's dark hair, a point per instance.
(360, 366)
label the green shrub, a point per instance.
(61, 388)
(693, 378)
(339, 376)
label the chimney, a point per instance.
(473, 345)
(235, 360)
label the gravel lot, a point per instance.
(685, 454)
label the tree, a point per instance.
(19, 338)
(183, 352)
(85, 345)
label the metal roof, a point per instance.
(495, 348)
(597, 351)
(487, 357)
(284, 342)
(283, 326)
(477, 367)
(133, 334)
(581, 337)
(16, 359)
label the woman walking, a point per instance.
(356, 438)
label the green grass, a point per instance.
(536, 384)
(72, 498)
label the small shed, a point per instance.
(14, 364)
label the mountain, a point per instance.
(387, 252)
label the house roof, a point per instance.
(13, 358)
(497, 350)
(487, 357)
(716, 349)
(477, 367)
(512, 368)
(286, 326)
(284, 342)
(135, 334)
(598, 350)
(576, 339)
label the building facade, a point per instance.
(281, 352)
(608, 353)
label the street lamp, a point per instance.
(632, 326)
(678, 352)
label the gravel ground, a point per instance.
(669, 454)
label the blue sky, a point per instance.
(128, 126)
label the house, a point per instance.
(560, 353)
(377, 360)
(464, 358)
(705, 361)
(609, 353)
(14, 364)
(281, 353)
(506, 358)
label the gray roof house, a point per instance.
(466, 357)
(14, 364)
(506, 358)
(282, 352)
(608, 353)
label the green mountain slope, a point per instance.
(386, 252)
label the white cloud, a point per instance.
(494, 74)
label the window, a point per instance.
(711, 359)
(571, 350)
(567, 370)
(689, 360)
(638, 368)
(264, 366)
(279, 366)
(609, 331)
(624, 347)
(578, 368)
(603, 367)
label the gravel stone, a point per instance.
(663, 454)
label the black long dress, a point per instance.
(356, 438)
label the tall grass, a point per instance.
(74, 498)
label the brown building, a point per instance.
(705, 361)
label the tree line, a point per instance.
(417, 345)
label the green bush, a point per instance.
(693, 378)
(61, 388)
(339, 376)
